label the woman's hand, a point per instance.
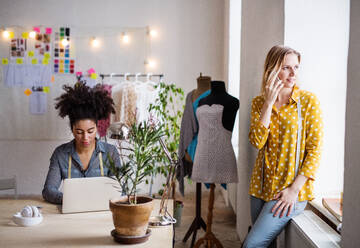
(286, 202)
(273, 87)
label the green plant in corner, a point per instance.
(137, 157)
(168, 109)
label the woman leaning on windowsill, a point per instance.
(277, 192)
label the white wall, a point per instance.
(319, 30)
(190, 41)
(351, 218)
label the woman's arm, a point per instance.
(313, 137)
(51, 191)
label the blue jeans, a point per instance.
(266, 227)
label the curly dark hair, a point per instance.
(82, 102)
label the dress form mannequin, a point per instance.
(203, 85)
(219, 95)
(216, 114)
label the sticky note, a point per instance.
(48, 30)
(19, 61)
(34, 61)
(37, 29)
(52, 78)
(47, 56)
(31, 53)
(27, 92)
(91, 71)
(93, 76)
(46, 89)
(78, 73)
(11, 35)
(5, 61)
(45, 61)
(25, 35)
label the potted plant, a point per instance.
(131, 212)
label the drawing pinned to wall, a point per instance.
(42, 44)
(38, 101)
(63, 63)
(18, 47)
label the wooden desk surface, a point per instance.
(90, 229)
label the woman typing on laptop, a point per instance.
(84, 156)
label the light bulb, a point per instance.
(153, 33)
(64, 42)
(126, 38)
(32, 34)
(6, 34)
(95, 42)
(151, 63)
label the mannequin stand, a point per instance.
(209, 240)
(198, 222)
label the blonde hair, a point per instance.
(274, 60)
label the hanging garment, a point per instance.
(146, 95)
(214, 160)
(103, 125)
(191, 149)
(188, 129)
(125, 98)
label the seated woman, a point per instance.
(84, 156)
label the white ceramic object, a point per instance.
(27, 221)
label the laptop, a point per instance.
(88, 194)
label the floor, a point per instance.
(224, 219)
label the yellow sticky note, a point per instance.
(31, 53)
(47, 56)
(5, 61)
(19, 61)
(93, 75)
(27, 92)
(25, 35)
(34, 61)
(45, 61)
(46, 89)
(11, 35)
(52, 78)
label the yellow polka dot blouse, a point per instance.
(278, 144)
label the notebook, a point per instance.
(88, 194)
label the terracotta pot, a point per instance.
(131, 219)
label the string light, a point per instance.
(153, 33)
(6, 34)
(95, 42)
(32, 34)
(64, 42)
(150, 63)
(125, 38)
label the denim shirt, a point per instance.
(59, 164)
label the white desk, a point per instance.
(90, 229)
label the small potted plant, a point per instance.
(131, 212)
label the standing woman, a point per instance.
(289, 147)
(84, 156)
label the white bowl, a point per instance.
(26, 221)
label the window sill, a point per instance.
(308, 228)
(317, 207)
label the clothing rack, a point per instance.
(131, 75)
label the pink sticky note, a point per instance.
(91, 71)
(48, 30)
(37, 29)
(78, 73)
